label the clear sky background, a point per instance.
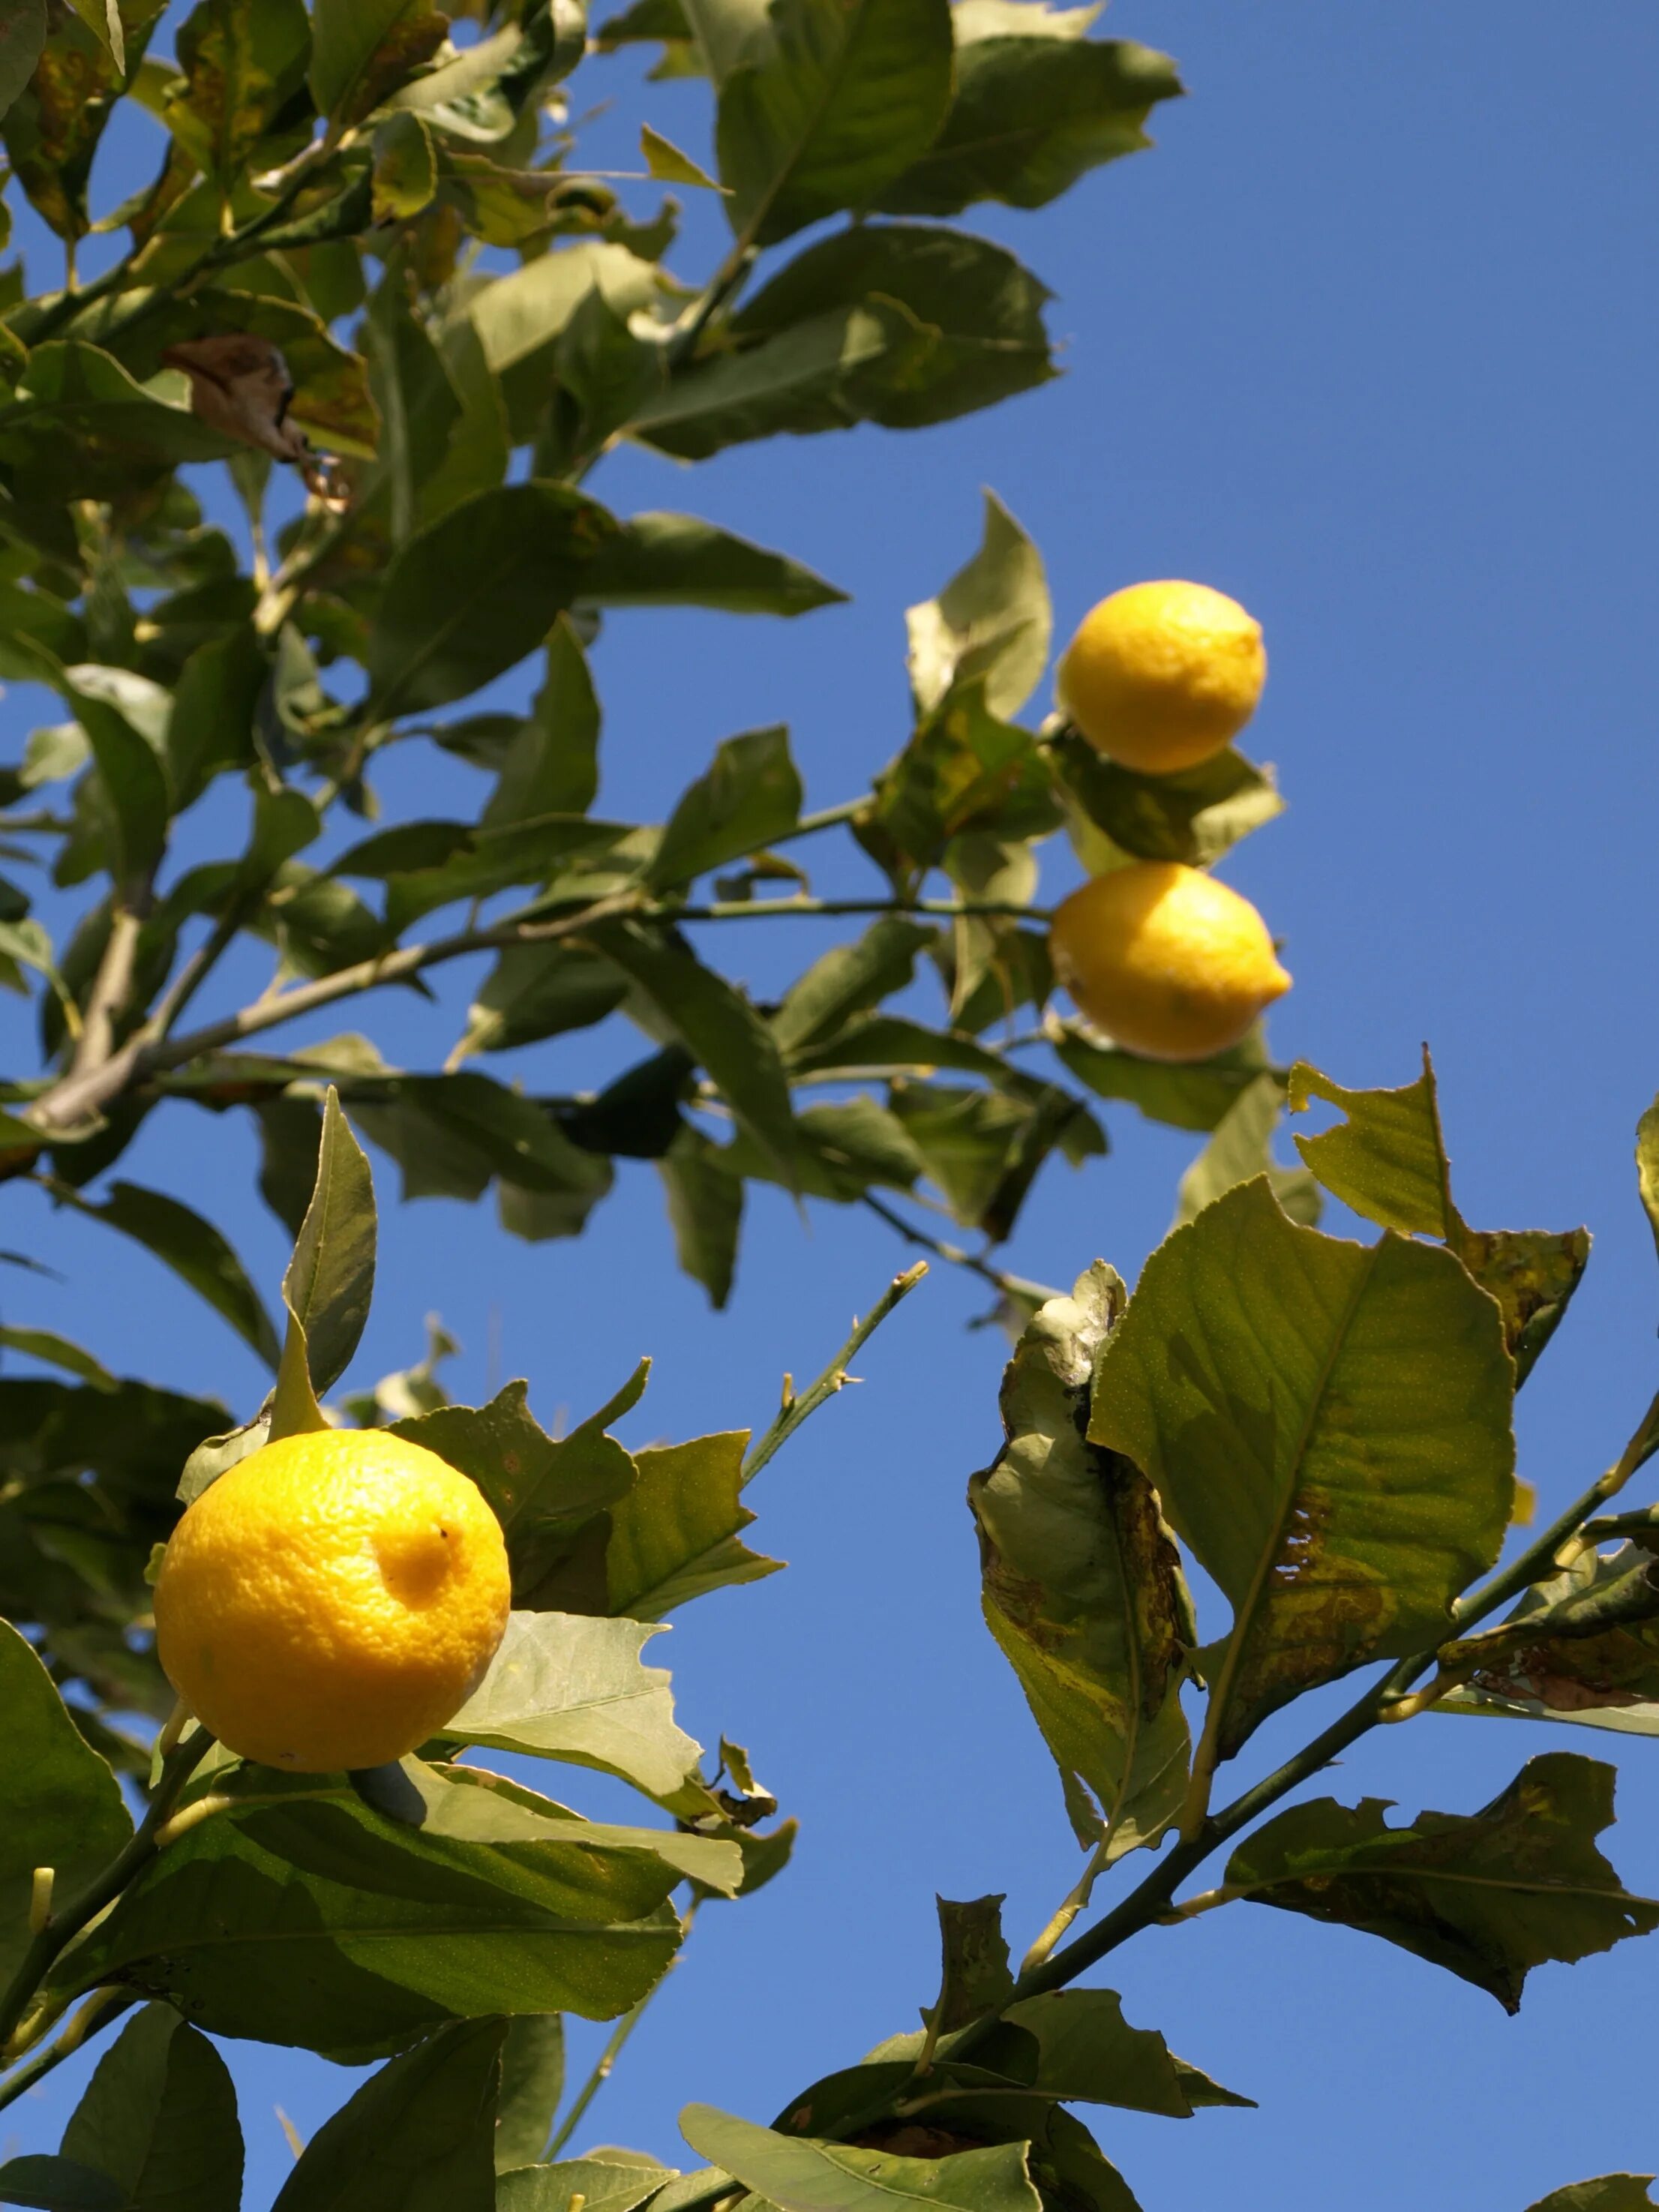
(1367, 341)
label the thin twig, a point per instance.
(771, 909)
(1007, 1286)
(100, 2009)
(793, 1411)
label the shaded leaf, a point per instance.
(1194, 815)
(478, 589)
(22, 34)
(1582, 1644)
(1086, 2050)
(1083, 1587)
(59, 2184)
(565, 1687)
(800, 2175)
(1327, 1425)
(362, 51)
(241, 63)
(1191, 1097)
(749, 796)
(890, 322)
(720, 1028)
(64, 1806)
(417, 2137)
(846, 982)
(963, 770)
(542, 1489)
(663, 159)
(1029, 116)
(159, 2117)
(680, 561)
(705, 1210)
(993, 619)
(537, 991)
(826, 105)
(1612, 2193)
(1488, 1895)
(320, 1921)
(551, 764)
(532, 2083)
(975, 1976)
(177, 1236)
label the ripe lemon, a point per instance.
(1161, 676)
(332, 1599)
(1170, 962)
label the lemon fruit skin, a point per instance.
(1161, 676)
(1170, 962)
(332, 1599)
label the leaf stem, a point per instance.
(793, 1411)
(62, 1927)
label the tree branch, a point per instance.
(793, 1411)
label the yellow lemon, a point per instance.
(332, 1599)
(1170, 962)
(1161, 676)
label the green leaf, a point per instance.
(537, 991)
(417, 2137)
(1647, 1166)
(799, 2175)
(64, 1806)
(22, 34)
(1241, 1149)
(476, 590)
(1488, 1895)
(820, 1006)
(57, 1352)
(975, 1976)
(1612, 2193)
(551, 765)
(82, 427)
(59, 2184)
(405, 173)
(720, 1028)
(1083, 1587)
(518, 317)
(240, 63)
(890, 323)
(532, 2083)
(362, 51)
(1388, 1161)
(964, 769)
(542, 1489)
(173, 1233)
(663, 159)
(1193, 1097)
(705, 1210)
(1327, 1425)
(676, 1534)
(749, 796)
(330, 1278)
(1195, 815)
(451, 1134)
(126, 722)
(616, 2182)
(317, 1921)
(566, 1687)
(159, 2117)
(1581, 1645)
(1030, 116)
(1086, 2050)
(993, 619)
(827, 106)
(55, 120)
(294, 1410)
(680, 561)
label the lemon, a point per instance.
(1160, 675)
(332, 1599)
(1170, 962)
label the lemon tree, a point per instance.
(264, 1663)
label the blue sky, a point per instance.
(1368, 342)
